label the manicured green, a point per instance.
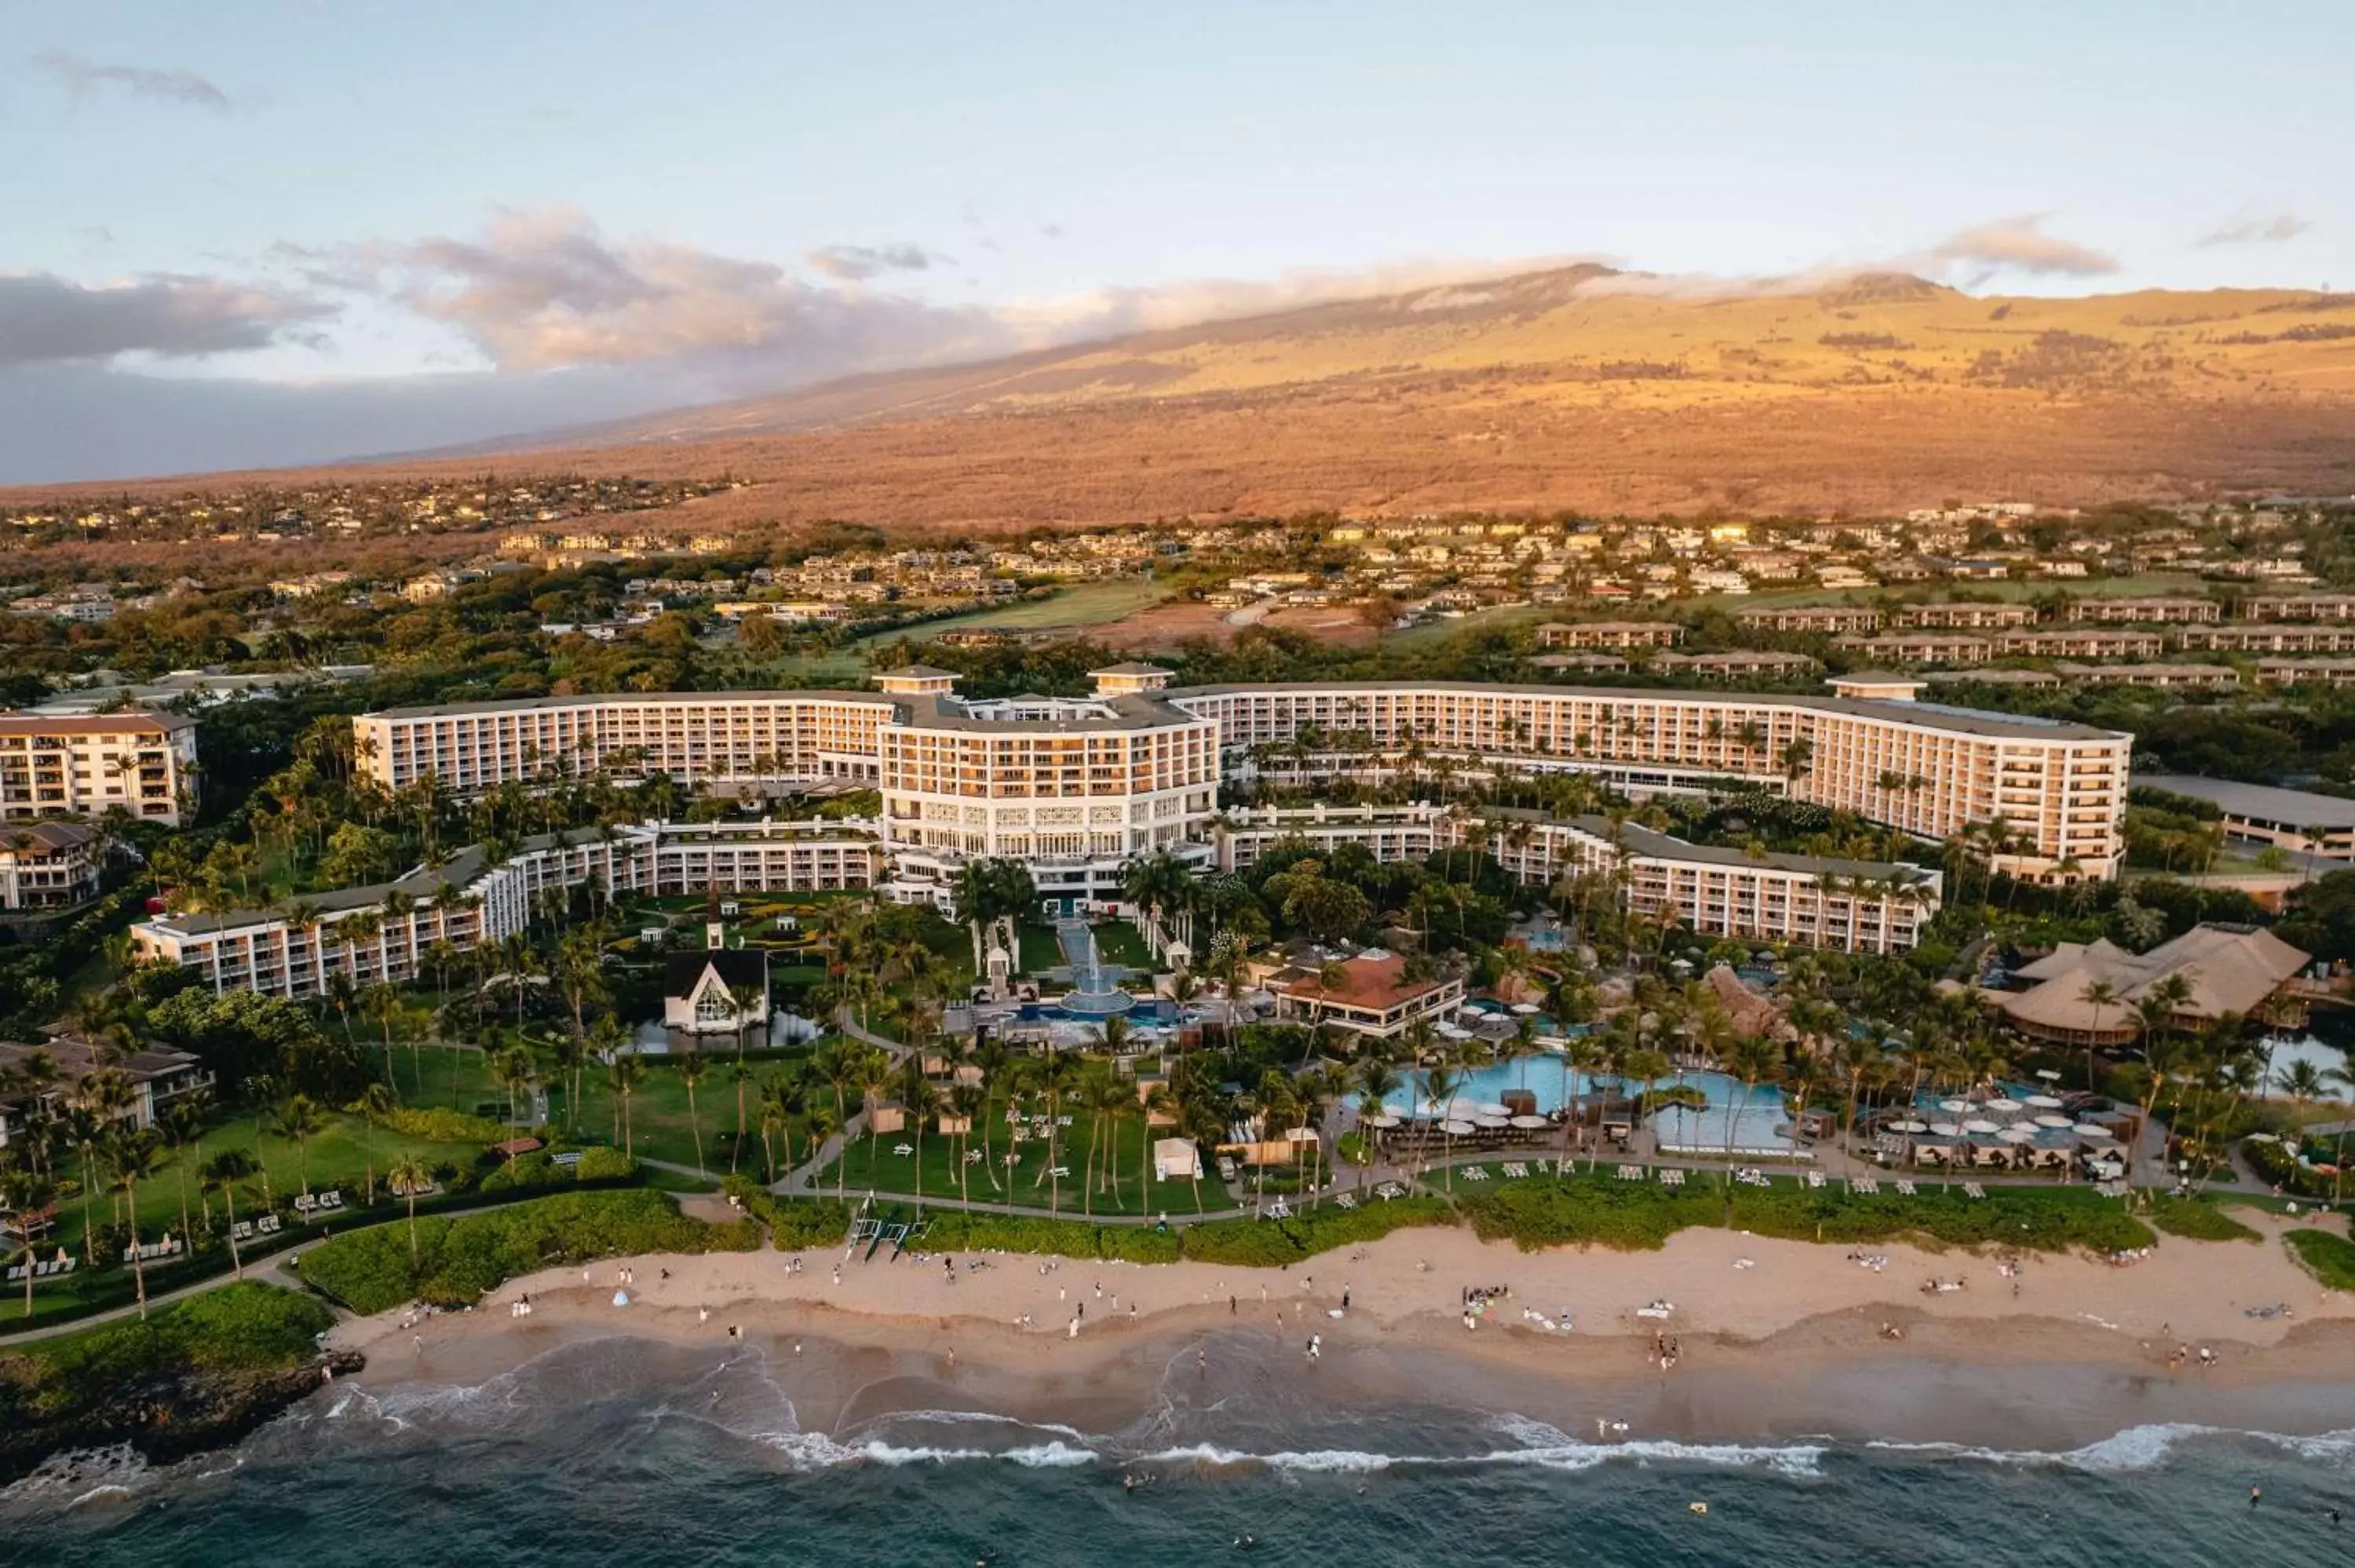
(1122, 1183)
(455, 1261)
(793, 1224)
(1088, 604)
(959, 1231)
(1588, 1209)
(2199, 1221)
(2330, 1258)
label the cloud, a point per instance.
(2019, 245)
(855, 263)
(175, 86)
(544, 290)
(2246, 229)
(44, 317)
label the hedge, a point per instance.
(439, 1126)
(2329, 1258)
(457, 1260)
(1589, 1210)
(963, 1231)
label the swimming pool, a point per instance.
(1750, 1115)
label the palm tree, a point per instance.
(25, 1191)
(298, 1116)
(690, 1073)
(2097, 995)
(222, 1174)
(623, 1078)
(1439, 1086)
(409, 1177)
(134, 1160)
(376, 1103)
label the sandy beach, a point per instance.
(1772, 1337)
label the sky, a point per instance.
(240, 232)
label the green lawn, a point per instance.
(1118, 942)
(1041, 952)
(1084, 605)
(874, 1165)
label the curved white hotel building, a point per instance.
(1077, 787)
(1136, 767)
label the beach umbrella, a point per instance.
(2047, 1074)
(1531, 1123)
(2017, 1135)
(1526, 1008)
(2002, 1104)
(1981, 1126)
(1957, 1106)
(2264, 1138)
(1492, 1123)
(1455, 1129)
(1491, 1108)
(2056, 1123)
(1908, 1127)
(2041, 1102)
(1945, 1129)
(1383, 1122)
(2095, 1129)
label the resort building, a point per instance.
(2082, 642)
(2322, 825)
(2246, 639)
(1824, 618)
(293, 950)
(2147, 612)
(1969, 616)
(2226, 968)
(1920, 648)
(2300, 607)
(2305, 672)
(1733, 666)
(1586, 663)
(720, 991)
(138, 763)
(58, 1073)
(1077, 786)
(2184, 676)
(1854, 906)
(48, 866)
(1372, 998)
(1612, 634)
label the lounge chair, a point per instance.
(1906, 1189)
(1345, 1201)
(1476, 1173)
(1815, 1179)
(1867, 1185)
(1516, 1169)
(1973, 1190)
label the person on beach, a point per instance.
(2256, 1496)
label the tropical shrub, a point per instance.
(245, 1326)
(459, 1259)
(2329, 1258)
(436, 1124)
(2200, 1222)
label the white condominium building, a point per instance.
(1855, 905)
(295, 951)
(53, 765)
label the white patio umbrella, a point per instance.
(2001, 1104)
(1957, 1106)
(1456, 1128)
(1531, 1123)
(1981, 1126)
(1490, 1107)
(1945, 1129)
(2017, 1135)
(2054, 1122)
(2095, 1129)
(2043, 1102)
(1383, 1122)
(1492, 1123)
(1526, 1008)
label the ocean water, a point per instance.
(619, 1452)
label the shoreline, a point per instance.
(1776, 1340)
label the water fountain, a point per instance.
(1093, 993)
